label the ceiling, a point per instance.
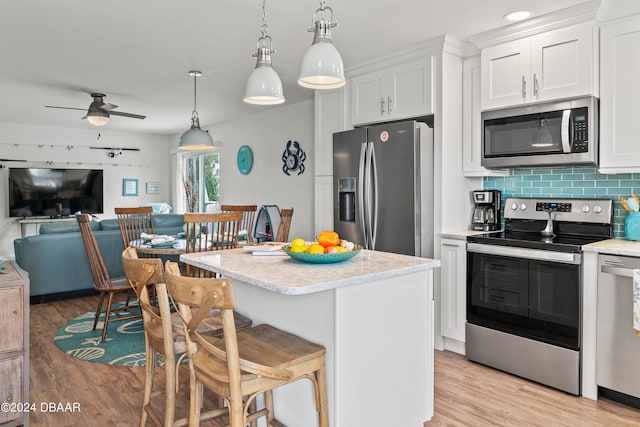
(139, 52)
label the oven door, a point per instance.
(530, 293)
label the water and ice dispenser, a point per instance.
(347, 199)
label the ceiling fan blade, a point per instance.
(65, 108)
(132, 116)
(108, 107)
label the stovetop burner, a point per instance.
(535, 241)
(575, 222)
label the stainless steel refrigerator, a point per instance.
(383, 187)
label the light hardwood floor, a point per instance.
(466, 394)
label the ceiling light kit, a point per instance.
(264, 86)
(517, 15)
(195, 138)
(322, 66)
(99, 111)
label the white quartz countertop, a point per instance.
(614, 247)
(288, 276)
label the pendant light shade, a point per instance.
(264, 86)
(322, 66)
(195, 138)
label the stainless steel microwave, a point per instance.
(546, 134)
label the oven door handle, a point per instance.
(535, 254)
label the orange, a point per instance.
(331, 250)
(315, 248)
(329, 238)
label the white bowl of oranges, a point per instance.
(329, 248)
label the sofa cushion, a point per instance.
(168, 220)
(109, 224)
(65, 227)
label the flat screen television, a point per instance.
(43, 192)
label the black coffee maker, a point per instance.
(486, 212)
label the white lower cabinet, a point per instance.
(453, 293)
(323, 200)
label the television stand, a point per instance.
(25, 221)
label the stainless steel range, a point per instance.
(524, 288)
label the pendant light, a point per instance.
(264, 86)
(322, 66)
(195, 138)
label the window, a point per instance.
(200, 179)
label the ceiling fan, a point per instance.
(99, 112)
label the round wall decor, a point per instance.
(245, 159)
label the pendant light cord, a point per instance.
(264, 29)
(195, 92)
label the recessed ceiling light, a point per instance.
(517, 15)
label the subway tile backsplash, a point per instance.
(570, 183)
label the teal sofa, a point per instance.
(57, 262)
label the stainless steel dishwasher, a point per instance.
(618, 347)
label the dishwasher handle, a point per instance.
(617, 270)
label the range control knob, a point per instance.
(585, 209)
(523, 206)
(597, 209)
(514, 206)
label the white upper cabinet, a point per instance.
(553, 65)
(505, 70)
(399, 92)
(472, 124)
(620, 95)
(330, 117)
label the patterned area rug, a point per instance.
(124, 344)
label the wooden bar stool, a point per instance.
(242, 364)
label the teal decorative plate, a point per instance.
(322, 258)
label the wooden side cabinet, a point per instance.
(14, 346)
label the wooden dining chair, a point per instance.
(282, 235)
(242, 364)
(160, 339)
(133, 222)
(103, 283)
(210, 232)
(248, 218)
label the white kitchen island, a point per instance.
(374, 315)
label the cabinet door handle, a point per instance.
(389, 104)
(381, 105)
(524, 88)
(535, 85)
(451, 245)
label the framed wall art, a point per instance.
(153, 187)
(129, 187)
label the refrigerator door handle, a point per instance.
(367, 198)
(361, 178)
(373, 223)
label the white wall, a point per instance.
(267, 134)
(69, 148)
